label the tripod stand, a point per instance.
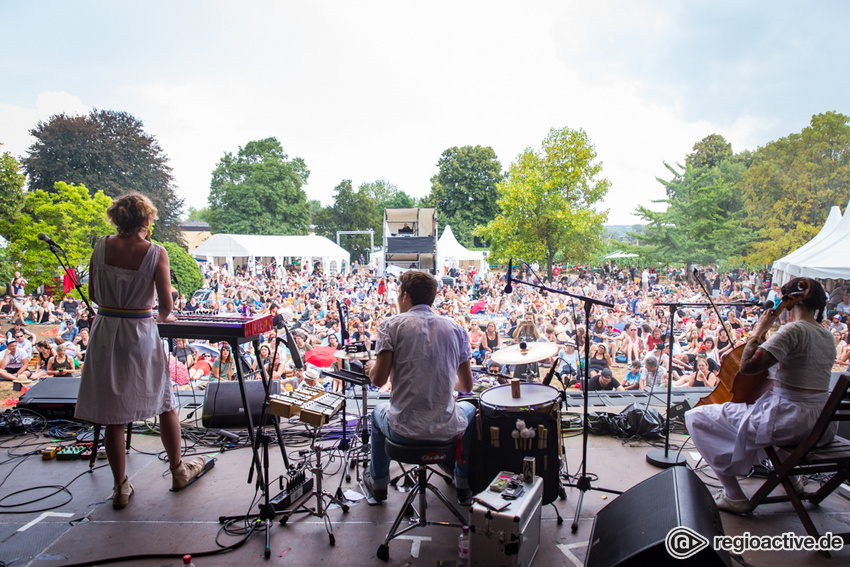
(321, 509)
(584, 483)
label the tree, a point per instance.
(387, 196)
(71, 216)
(792, 184)
(352, 210)
(464, 191)
(201, 214)
(259, 191)
(11, 192)
(710, 151)
(105, 151)
(185, 268)
(701, 223)
(547, 200)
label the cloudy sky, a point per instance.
(369, 90)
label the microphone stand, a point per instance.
(72, 275)
(662, 458)
(583, 484)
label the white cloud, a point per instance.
(17, 121)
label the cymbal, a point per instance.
(533, 352)
(354, 355)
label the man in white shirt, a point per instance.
(13, 363)
(426, 357)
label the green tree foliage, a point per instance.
(387, 195)
(105, 151)
(11, 192)
(710, 152)
(185, 268)
(547, 200)
(701, 223)
(259, 191)
(464, 191)
(198, 215)
(352, 210)
(792, 184)
(71, 216)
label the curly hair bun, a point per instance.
(129, 213)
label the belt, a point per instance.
(125, 313)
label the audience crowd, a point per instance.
(633, 335)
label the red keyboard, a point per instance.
(215, 327)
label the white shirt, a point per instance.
(427, 351)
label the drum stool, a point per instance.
(421, 456)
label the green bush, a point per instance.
(185, 268)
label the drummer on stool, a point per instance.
(428, 357)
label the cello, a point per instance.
(732, 386)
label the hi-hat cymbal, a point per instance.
(533, 352)
(354, 355)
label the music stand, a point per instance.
(583, 484)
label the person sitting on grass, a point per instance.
(61, 364)
(632, 379)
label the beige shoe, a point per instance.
(733, 506)
(121, 494)
(185, 472)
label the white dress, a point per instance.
(732, 436)
(125, 377)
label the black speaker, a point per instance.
(54, 397)
(633, 529)
(223, 403)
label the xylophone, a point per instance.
(311, 404)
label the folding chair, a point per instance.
(807, 458)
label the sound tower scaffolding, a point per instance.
(583, 484)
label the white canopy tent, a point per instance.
(619, 254)
(247, 249)
(780, 266)
(452, 254)
(827, 258)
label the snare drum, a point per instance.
(534, 397)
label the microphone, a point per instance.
(43, 237)
(508, 287)
(342, 323)
(548, 379)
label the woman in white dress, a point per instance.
(799, 356)
(125, 377)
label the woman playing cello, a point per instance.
(798, 357)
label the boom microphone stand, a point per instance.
(583, 484)
(658, 457)
(72, 274)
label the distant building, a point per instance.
(194, 233)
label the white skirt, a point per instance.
(731, 437)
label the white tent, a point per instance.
(247, 249)
(829, 258)
(780, 266)
(619, 254)
(452, 254)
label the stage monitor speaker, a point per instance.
(54, 398)
(632, 530)
(223, 404)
